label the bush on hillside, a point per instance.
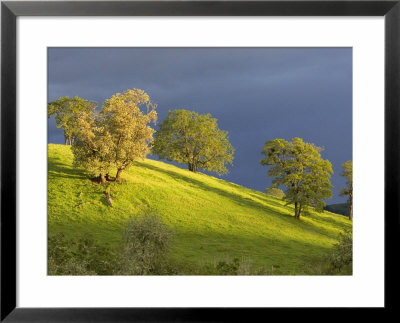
(61, 260)
(273, 191)
(338, 262)
(146, 243)
(341, 258)
(221, 265)
(80, 257)
(236, 266)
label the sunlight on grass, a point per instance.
(211, 217)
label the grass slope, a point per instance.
(212, 218)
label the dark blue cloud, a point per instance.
(257, 94)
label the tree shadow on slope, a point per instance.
(322, 217)
(242, 201)
(268, 200)
(57, 169)
(237, 198)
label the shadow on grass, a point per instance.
(324, 218)
(57, 169)
(238, 199)
(267, 200)
(201, 185)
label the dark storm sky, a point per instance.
(257, 94)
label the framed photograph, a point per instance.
(193, 160)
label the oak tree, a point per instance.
(67, 111)
(125, 117)
(348, 191)
(187, 137)
(298, 166)
(93, 147)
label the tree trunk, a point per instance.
(65, 140)
(102, 179)
(118, 176)
(351, 212)
(192, 167)
(351, 207)
(295, 210)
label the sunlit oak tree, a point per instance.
(115, 136)
(67, 111)
(187, 137)
(125, 118)
(93, 146)
(348, 191)
(298, 166)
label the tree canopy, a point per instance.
(274, 191)
(67, 111)
(128, 126)
(298, 166)
(116, 136)
(187, 137)
(93, 148)
(348, 191)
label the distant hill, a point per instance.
(212, 218)
(340, 208)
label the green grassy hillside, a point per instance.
(211, 218)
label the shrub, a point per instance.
(146, 243)
(338, 262)
(79, 257)
(100, 259)
(228, 268)
(341, 258)
(61, 257)
(273, 191)
(224, 265)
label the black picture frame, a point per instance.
(10, 10)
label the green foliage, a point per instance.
(228, 268)
(187, 137)
(211, 217)
(299, 167)
(67, 112)
(348, 191)
(127, 126)
(222, 265)
(80, 257)
(93, 147)
(273, 191)
(146, 243)
(342, 255)
(338, 262)
(100, 259)
(116, 136)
